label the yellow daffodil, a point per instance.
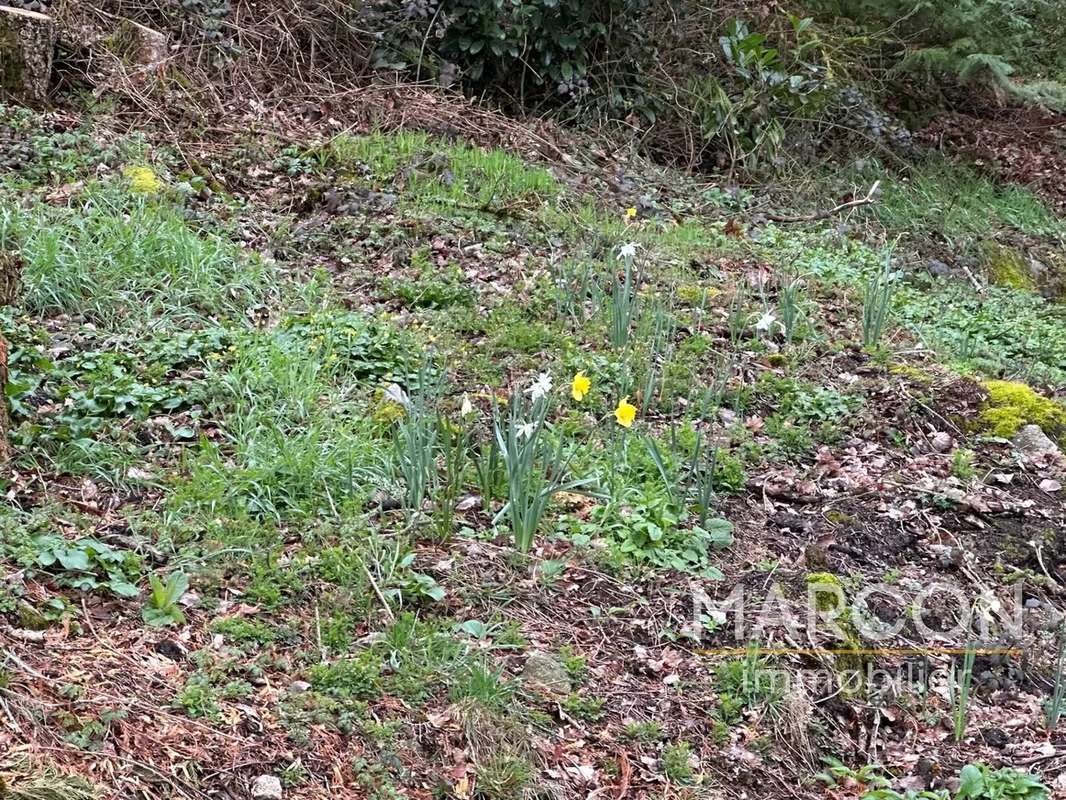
(579, 387)
(625, 413)
(143, 180)
(631, 213)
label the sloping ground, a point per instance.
(256, 527)
(1023, 145)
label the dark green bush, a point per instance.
(533, 52)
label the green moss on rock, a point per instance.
(1006, 266)
(1012, 405)
(828, 592)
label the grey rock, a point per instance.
(547, 671)
(937, 268)
(1032, 602)
(267, 787)
(941, 441)
(1033, 443)
(299, 687)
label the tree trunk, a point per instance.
(10, 270)
(27, 40)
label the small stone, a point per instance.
(937, 268)
(941, 442)
(1033, 443)
(1032, 602)
(1050, 485)
(546, 671)
(299, 687)
(266, 787)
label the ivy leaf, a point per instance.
(971, 782)
(122, 587)
(71, 558)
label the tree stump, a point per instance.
(10, 271)
(139, 44)
(27, 40)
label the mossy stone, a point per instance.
(1006, 266)
(1013, 405)
(829, 597)
(29, 618)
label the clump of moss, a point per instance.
(1012, 405)
(1006, 266)
(911, 373)
(143, 180)
(831, 596)
(827, 592)
(694, 295)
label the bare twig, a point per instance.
(868, 199)
(384, 603)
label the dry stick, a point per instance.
(23, 666)
(976, 285)
(870, 198)
(381, 597)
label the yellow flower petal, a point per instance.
(579, 386)
(625, 413)
(631, 212)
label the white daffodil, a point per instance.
(540, 387)
(525, 430)
(467, 408)
(628, 250)
(395, 393)
(766, 323)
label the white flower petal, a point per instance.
(540, 387)
(766, 322)
(395, 393)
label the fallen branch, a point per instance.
(869, 199)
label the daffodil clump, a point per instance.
(143, 180)
(535, 458)
(535, 454)
(623, 297)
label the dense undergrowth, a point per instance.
(705, 85)
(359, 467)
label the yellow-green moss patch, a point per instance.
(1006, 266)
(911, 373)
(1012, 405)
(827, 590)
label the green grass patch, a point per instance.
(118, 260)
(954, 203)
(432, 172)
